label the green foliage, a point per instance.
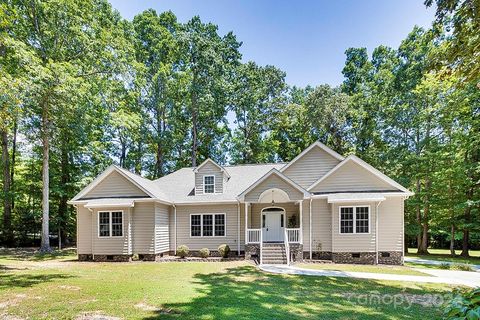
(182, 251)
(224, 250)
(463, 305)
(204, 253)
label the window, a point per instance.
(208, 184)
(110, 223)
(346, 220)
(355, 219)
(362, 220)
(207, 225)
(104, 224)
(219, 225)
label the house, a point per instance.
(320, 205)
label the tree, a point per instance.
(207, 64)
(258, 94)
(74, 41)
(463, 18)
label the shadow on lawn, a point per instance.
(32, 254)
(247, 293)
(23, 280)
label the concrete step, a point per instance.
(271, 261)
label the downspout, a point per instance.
(310, 228)
(238, 228)
(376, 231)
(175, 227)
(93, 231)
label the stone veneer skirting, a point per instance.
(394, 258)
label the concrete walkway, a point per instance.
(470, 279)
(476, 267)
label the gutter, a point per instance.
(175, 227)
(376, 231)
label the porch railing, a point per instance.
(254, 235)
(287, 246)
(292, 235)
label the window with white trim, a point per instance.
(207, 225)
(354, 219)
(110, 224)
(208, 184)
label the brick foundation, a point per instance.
(391, 257)
(112, 258)
(354, 257)
(296, 251)
(150, 257)
(318, 255)
(85, 257)
(252, 250)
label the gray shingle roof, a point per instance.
(178, 185)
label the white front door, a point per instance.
(273, 227)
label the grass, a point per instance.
(55, 287)
(363, 268)
(444, 255)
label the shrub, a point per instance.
(462, 267)
(445, 265)
(204, 252)
(464, 305)
(224, 250)
(182, 251)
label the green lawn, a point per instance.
(57, 287)
(444, 255)
(362, 268)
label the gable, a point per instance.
(115, 185)
(310, 167)
(209, 169)
(351, 176)
(273, 181)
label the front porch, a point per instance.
(274, 232)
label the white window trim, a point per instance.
(354, 220)
(110, 224)
(213, 225)
(209, 175)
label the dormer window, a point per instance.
(208, 184)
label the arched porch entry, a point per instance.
(273, 224)
(273, 216)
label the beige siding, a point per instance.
(321, 225)
(351, 177)
(255, 212)
(273, 181)
(143, 228)
(353, 242)
(311, 167)
(115, 185)
(161, 228)
(212, 243)
(209, 169)
(84, 230)
(390, 229)
(110, 245)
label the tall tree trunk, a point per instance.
(452, 240)
(7, 205)
(45, 244)
(12, 166)
(419, 217)
(194, 129)
(64, 183)
(423, 249)
(466, 229)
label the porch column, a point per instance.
(246, 222)
(301, 221)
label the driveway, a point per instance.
(476, 267)
(465, 278)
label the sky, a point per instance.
(306, 39)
